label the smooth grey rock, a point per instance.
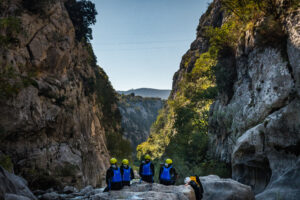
(12, 184)
(86, 190)
(216, 188)
(69, 189)
(50, 196)
(149, 191)
(9, 196)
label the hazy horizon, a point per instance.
(140, 43)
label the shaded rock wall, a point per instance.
(13, 186)
(53, 125)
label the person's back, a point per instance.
(113, 177)
(195, 183)
(127, 173)
(147, 170)
(167, 173)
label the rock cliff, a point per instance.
(257, 126)
(56, 105)
(138, 114)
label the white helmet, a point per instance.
(187, 180)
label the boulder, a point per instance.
(70, 189)
(216, 188)
(86, 190)
(9, 196)
(149, 191)
(12, 186)
(50, 196)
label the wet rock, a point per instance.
(69, 189)
(12, 186)
(149, 191)
(50, 196)
(15, 197)
(216, 188)
(88, 189)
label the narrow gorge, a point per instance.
(232, 118)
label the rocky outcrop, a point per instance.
(216, 188)
(138, 114)
(13, 187)
(257, 130)
(135, 191)
(55, 106)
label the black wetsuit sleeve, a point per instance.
(109, 175)
(140, 170)
(160, 171)
(200, 185)
(174, 173)
(122, 170)
(196, 189)
(152, 168)
(131, 173)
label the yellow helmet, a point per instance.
(125, 161)
(147, 157)
(113, 161)
(169, 161)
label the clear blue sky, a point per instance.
(139, 43)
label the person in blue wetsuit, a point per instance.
(147, 170)
(113, 177)
(127, 173)
(167, 173)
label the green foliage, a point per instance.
(245, 10)
(271, 33)
(180, 131)
(223, 37)
(6, 163)
(225, 72)
(83, 15)
(7, 87)
(10, 27)
(11, 82)
(118, 146)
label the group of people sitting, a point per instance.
(117, 177)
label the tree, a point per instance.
(83, 15)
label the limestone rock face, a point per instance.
(216, 188)
(13, 187)
(52, 123)
(257, 130)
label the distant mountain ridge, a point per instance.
(148, 92)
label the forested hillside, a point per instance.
(138, 114)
